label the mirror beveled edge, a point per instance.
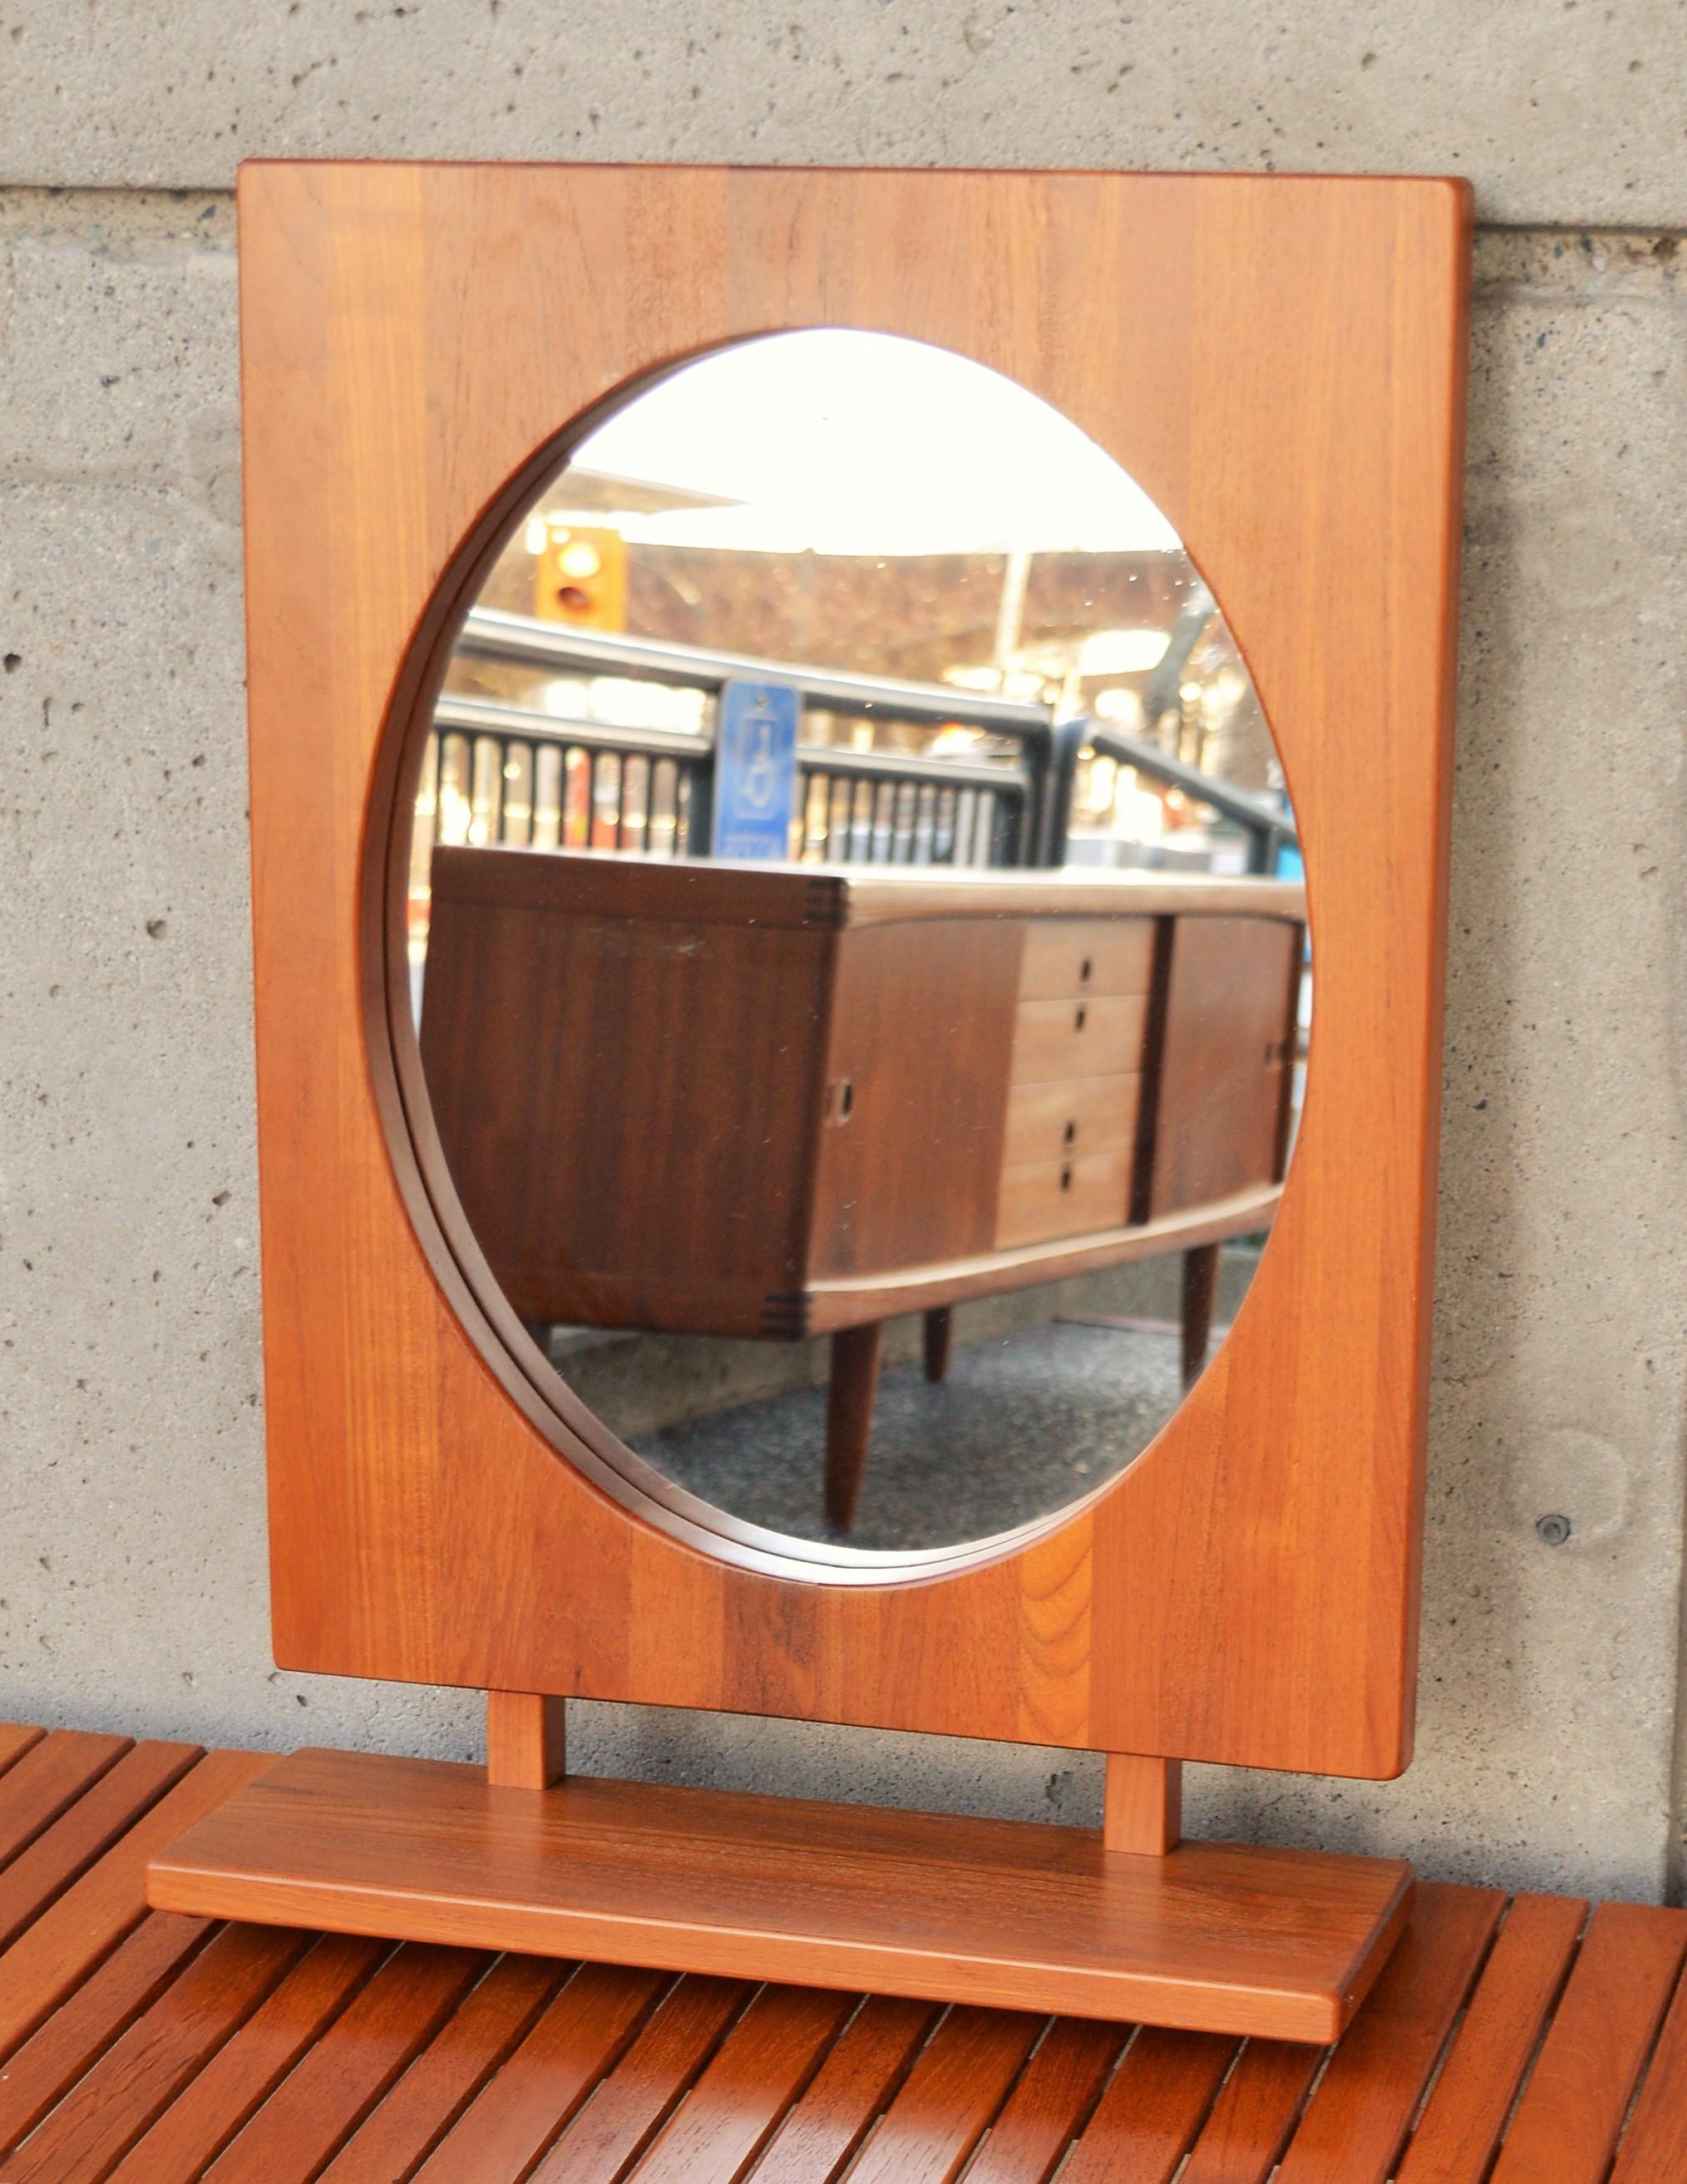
(422, 1524)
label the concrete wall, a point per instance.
(132, 1568)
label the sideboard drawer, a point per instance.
(1046, 1198)
(1066, 957)
(1078, 1038)
(1060, 1121)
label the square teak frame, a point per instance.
(1279, 362)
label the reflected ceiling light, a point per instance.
(832, 440)
(1123, 708)
(1122, 651)
(579, 558)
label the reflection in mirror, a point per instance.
(857, 943)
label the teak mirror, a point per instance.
(849, 801)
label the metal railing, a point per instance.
(496, 771)
(853, 806)
(1269, 828)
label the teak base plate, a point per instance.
(1211, 1937)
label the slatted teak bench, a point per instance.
(153, 2048)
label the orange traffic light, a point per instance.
(581, 577)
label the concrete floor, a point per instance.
(1023, 1424)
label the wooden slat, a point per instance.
(16, 1738)
(1655, 2144)
(852, 2085)
(638, 2093)
(1049, 2105)
(950, 2098)
(1358, 2116)
(1007, 1913)
(49, 1777)
(533, 2096)
(317, 2106)
(67, 1940)
(1155, 2103)
(1461, 2125)
(79, 2032)
(447, 2073)
(84, 2136)
(246, 2070)
(1567, 2123)
(759, 2068)
(164, 2049)
(1249, 2127)
(100, 1817)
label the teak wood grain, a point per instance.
(1655, 2142)
(331, 2090)
(1572, 2110)
(48, 1778)
(1477, 2085)
(527, 1740)
(763, 2063)
(1278, 361)
(1013, 1915)
(1530, 2037)
(69, 1929)
(629, 2106)
(819, 2134)
(16, 1738)
(448, 2073)
(535, 2093)
(41, 1873)
(256, 2057)
(1361, 2109)
(1142, 1810)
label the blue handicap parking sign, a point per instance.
(755, 770)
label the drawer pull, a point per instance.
(1070, 1040)
(1068, 1118)
(1064, 958)
(1083, 1194)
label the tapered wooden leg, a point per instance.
(1200, 1281)
(526, 1743)
(940, 1335)
(1144, 1811)
(849, 1419)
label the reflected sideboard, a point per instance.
(780, 1102)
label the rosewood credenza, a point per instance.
(786, 1102)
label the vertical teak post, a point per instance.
(1143, 1810)
(527, 1747)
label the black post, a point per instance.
(1056, 781)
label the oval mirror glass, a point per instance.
(857, 944)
